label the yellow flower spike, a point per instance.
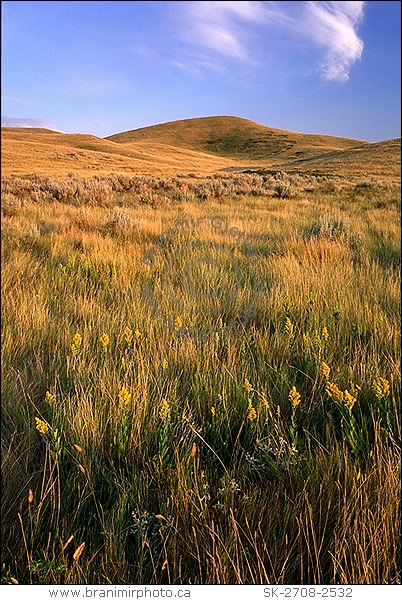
(137, 334)
(334, 392)
(325, 334)
(349, 399)
(41, 426)
(247, 386)
(251, 412)
(76, 344)
(217, 338)
(124, 396)
(381, 387)
(325, 370)
(178, 323)
(50, 398)
(104, 340)
(164, 410)
(213, 411)
(165, 364)
(128, 335)
(294, 397)
(220, 323)
(289, 329)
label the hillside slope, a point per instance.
(202, 146)
(48, 152)
(379, 159)
(236, 137)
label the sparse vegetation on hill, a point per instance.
(201, 146)
(237, 138)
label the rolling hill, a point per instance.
(379, 159)
(202, 145)
(45, 152)
(237, 138)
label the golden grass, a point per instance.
(155, 455)
(199, 146)
(27, 151)
(379, 160)
(236, 137)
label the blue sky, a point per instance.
(105, 67)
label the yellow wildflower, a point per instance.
(41, 426)
(178, 323)
(213, 411)
(165, 364)
(128, 335)
(381, 387)
(317, 341)
(247, 386)
(76, 344)
(289, 329)
(137, 334)
(221, 323)
(124, 396)
(349, 399)
(164, 410)
(294, 397)
(325, 370)
(334, 392)
(325, 334)
(251, 412)
(104, 340)
(50, 398)
(217, 338)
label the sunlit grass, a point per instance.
(223, 413)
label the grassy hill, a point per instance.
(45, 152)
(202, 146)
(236, 137)
(380, 159)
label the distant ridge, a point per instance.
(236, 137)
(375, 158)
(202, 145)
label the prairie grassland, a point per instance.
(201, 380)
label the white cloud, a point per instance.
(333, 26)
(24, 122)
(224, 29)
(220, 26)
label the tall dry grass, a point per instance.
(167, 442)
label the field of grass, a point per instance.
(200, 380)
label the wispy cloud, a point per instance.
(24, 122)
(333, 26)
(224, 29)
(221, 27)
